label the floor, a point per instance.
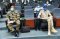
(31, 35)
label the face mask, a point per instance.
(12, 9)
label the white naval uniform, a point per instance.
(47, 15)
(25, 1)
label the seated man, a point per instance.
(13, 21)
(46, 15)
(36, 10)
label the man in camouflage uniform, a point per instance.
(13, 20)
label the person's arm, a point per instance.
(49, 15)
(39, 15)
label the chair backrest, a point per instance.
(27, 7)
(56, 12)
(29, 14)
(17, 4)
(51, 7)
(18, 8)
(56, 4)
(2, 5)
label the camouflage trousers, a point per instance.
(11, 26)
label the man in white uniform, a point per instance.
(47, 15)
(36, 10)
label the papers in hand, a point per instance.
(10, 21)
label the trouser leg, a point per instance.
(49, 27)
(10, 26)
(52, 26)
(35, 24)
(17, 29)
(39, 24)
(18, 25)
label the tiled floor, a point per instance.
(5, 35)
(32, 34)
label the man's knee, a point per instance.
(18, 22)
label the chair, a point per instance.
(29, 16)
(51, 7)
(17, 4)
(56, 12)
(27, 7)
(18, 8)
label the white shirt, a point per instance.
(44, 14)
(37, 8)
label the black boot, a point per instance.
(9, 30)
(16, 34)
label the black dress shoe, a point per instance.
(16, 35)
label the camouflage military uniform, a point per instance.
(13, 16)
